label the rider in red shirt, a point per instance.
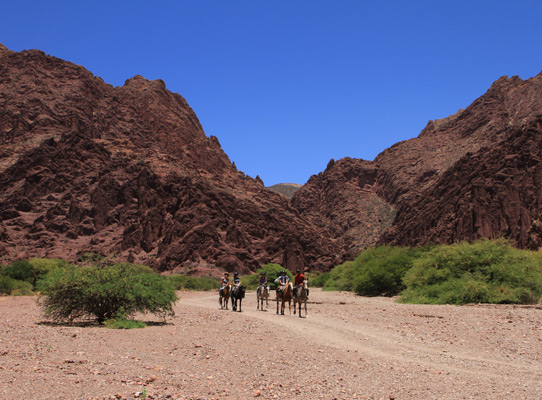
(298, 279)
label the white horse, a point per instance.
(301, 296)
(262, 293)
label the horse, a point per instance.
(261, 294)
(285, 296)
(237, 293)
(301, 295)
(224, 297)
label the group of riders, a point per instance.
(282, 281)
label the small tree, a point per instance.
(105, 292)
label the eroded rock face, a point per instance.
(87, 167)
(474, 174)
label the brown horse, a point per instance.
(285, 296)
(262, 294)
(224, 297)
(301, 296)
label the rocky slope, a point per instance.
(474, 174)
(286, 189)
(87, 167)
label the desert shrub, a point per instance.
(340, 277)
(380, 270)
(7, 284)
(318, 279)
(20, 270)
(486, 271)
(14, 287)
(183, 282)
(31, 271)
(374, 272)
(105, 292)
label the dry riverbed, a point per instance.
(348, 347)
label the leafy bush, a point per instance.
(182, 282)
(105, 292)
(376, 271)
(20, 270)
(380, 270)
(30, 272)
(318, 279)
(14, 287)
(486, 271)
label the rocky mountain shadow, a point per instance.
(128, 171)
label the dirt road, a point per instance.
(348, 347)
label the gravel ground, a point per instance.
(348, 347)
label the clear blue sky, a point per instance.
(286, 85)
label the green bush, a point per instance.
(380, 270)
(105, 292)
(486, 271)
(182, 282)
(14, 287)
(20, 270)
(376, 271)
(317, 279)
(30, 272)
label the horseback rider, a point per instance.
(262, 281)
(298, 280)
(224, 281)
(282, 280)
(236, 279)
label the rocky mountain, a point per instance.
(86, 167)
(472, 175)
(286, 189)
(128, 171)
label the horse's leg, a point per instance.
(240, 305)
(295, 305)
(305, 307)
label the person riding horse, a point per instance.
(263, 281)
(298, 280)
(282, 280)
(236, 279)
(224, 282)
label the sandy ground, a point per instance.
(348, 347)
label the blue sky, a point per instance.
(286, 85)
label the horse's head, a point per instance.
(241, 292)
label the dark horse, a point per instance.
(237, 293)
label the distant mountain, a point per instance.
(128, 171)
(286, 189)
(476, 174)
